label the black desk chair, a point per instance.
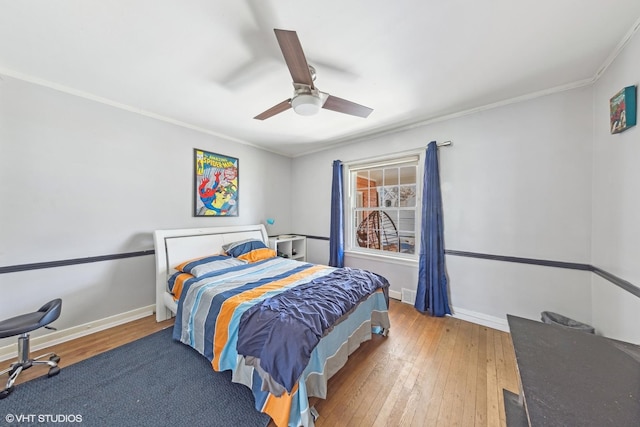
(20, 325)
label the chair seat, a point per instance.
(20, 325)
(31, 321)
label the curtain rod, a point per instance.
(403, 154)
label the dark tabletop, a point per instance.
(572, 378)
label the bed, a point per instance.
(233, 312)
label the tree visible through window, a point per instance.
(383, 206)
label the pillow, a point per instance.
(249, 250)
(176, 282)
(258, 255)
(200, 266)
(241, 247)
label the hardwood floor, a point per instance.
(427, 372)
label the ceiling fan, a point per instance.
(307, 99)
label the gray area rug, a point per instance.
(153, 381)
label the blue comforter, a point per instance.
(295, 320)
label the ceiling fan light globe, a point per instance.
(306, 105)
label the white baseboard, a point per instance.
(395, 295)
(408, 297)
(58, 337)
(481, 319)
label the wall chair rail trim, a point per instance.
(74, 261)
(533, 261)
(624, 284)
(627, 286)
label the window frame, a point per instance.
(350, 173)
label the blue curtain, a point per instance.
(432, 295)
(336, 238)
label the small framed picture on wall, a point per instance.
(216, 184)
(623, 110)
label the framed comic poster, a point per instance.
(216, 184)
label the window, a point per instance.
(383, 206)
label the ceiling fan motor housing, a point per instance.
(306, 102)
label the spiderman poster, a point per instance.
(216, 184)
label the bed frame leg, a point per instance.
(163, 313)
(314, 413)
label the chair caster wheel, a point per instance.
(6, 392)
(53, 371)
(55, 359)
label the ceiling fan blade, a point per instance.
(276, 109)
(294, 56)
(343, 106)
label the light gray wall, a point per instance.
(540, 179)
(616, 203)
(516, 182)
(80, 179)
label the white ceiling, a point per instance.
(215, 64)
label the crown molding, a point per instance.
(619, 48)
(386, 130)
(106, 101)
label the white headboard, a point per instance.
(175, 246)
